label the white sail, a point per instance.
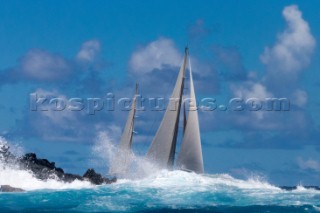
(126, 138)
(190, 155)
(162, 149)
(122, 159)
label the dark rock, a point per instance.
(96, 178)
(41, 168)
(290, 188)
(7, 188)
(44, 169)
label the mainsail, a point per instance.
(190, 155)
(126, 138)
(162, 149)
(122, 159)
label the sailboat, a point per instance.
(162, 150)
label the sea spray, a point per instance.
(123, 164)
(156, 191)
(11, 174)
(15, 148)
(171, 190)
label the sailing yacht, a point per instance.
(163, 147)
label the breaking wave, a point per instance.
(122, 164)
(145, 188)
(11, 175)
(172, 190)
(25, 180)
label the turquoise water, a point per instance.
(145, 188)
(164, 191)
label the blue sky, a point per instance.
(238, 49)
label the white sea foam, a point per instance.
(25, 180)
(181, 188)
(140, 172)
(11, 175)
(143, 174)
(132, 167)
(316, 208)
(200, 182)
(144, 177)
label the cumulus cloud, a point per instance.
(250, 89)
(57, 117)
(55, 121)
(158, 54)
(39, 65)
(52, 124)
(89, 51)
(157, 64)
(294, 47)
(309, 164)
(284, 61)
(287, 59)
(300, 97)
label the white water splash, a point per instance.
(182, 189)
(11, 175)
(181, 179)
(25, 180)
(144, 177)
(123, 164)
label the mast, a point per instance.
(163, 146)
(184, 118)
(190, 155)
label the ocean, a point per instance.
(162, 191)
(145, 188)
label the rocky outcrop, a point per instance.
(96, 178)
(44, 169)
(290, 188)
(7, 188)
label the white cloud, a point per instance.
(155, 55)
(61, 125)
(89, 51)
(294, 45)
(250, 89)
(41, 65)
(54, 120)
(309, 164)
(300, 97)
(63, 117)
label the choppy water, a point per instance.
(147, 189)
(163, 191)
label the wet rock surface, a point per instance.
(7, 188)
(96, 178)
(290, 188)
(43, 169)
